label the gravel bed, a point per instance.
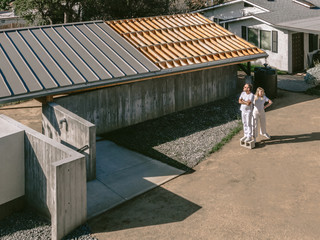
(184, 138)
(27, 225)
(180, 139)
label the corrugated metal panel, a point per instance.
(35, 60)
(180, 40)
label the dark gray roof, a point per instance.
(36, 60)
(280, 12)
(286, 10)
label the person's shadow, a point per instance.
(308, 137)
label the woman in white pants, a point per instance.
(259, 114)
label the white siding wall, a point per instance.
(278, 60)
(231, 11)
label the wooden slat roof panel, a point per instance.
(184, 39)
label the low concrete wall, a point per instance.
(124, 105)
(55, 182)
(69, 129)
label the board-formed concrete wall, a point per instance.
(124, 105)
(69, 129)
(55, 180)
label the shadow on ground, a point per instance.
(285, 139)
(152, 208)
(144, 137)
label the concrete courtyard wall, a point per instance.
(123, 105)
(55, 180)
(69, 129)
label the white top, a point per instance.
(259, 103)
(246, 97)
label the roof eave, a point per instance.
(133, 78)
(294, 29)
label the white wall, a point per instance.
(12, 180)
(278, 60)
(235, 10)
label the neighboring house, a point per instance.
(9, 20)
(288, 30)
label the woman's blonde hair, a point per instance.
(257, 92)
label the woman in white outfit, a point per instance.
(259, 114)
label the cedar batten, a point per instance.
(181, 40)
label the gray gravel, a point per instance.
(180, 139)
(27, 225)
(184, 138)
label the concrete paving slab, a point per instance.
(121, 175)
(135, 180)
(112, 158)
(100, 198)
(293, 83)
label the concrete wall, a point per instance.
(120, 106)
(55, 182)
(69, 129)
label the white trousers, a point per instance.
(247, 123)
(259, 117)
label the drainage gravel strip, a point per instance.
(181, 139)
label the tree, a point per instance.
(198, 4)
(42, 12)
(4, 4)
(122, 9)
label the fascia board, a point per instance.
(245, 18)
(128, 79)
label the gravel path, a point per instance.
(180, 139)
(27, 225)
(184, 138)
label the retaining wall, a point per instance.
(119, 106)
(55, 180)
(69, 129)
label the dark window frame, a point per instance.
(313, 42)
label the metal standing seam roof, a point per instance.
(40, 61)
(184, 39)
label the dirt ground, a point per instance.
(27, 113)
(269, 192)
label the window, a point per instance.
(244, 32)
(253, 36)
(247, 5)
(265, 40)
(313, 42)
